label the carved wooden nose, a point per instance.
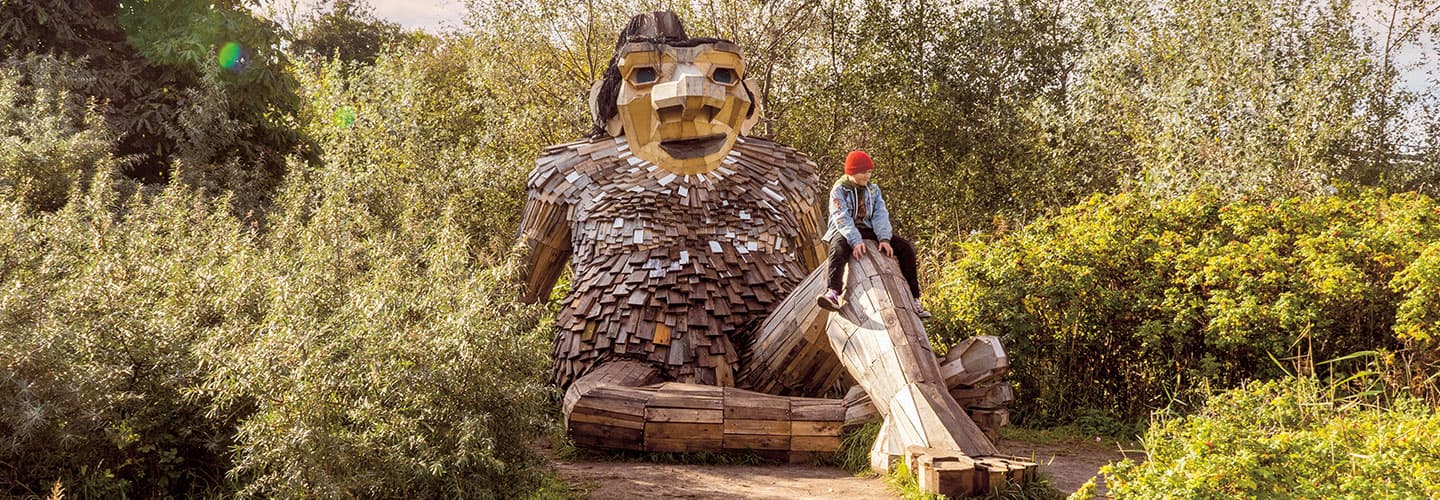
(690, 94)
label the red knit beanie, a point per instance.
(858, 161)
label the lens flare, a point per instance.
(344, 117)
(232, 56)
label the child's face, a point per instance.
(861, 178)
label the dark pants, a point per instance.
(904, 252)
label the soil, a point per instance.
(1069, 465)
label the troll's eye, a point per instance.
(643, 75)
(723, 76)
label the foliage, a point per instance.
(386, 363)
(1120, 305)
(1250, 97)
(362, 343)
(152, 69)
(1287, 438)
(959, 106)
(101, 306)
(347, 30)
(50, 138)
(434, 128)
(854, 452)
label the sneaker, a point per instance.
(830, 300)
(920, 310)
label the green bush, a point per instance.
(100, 308)
(1122, 305)
(1287, 438)
(50, 135)
(162, 346)
(387, 362)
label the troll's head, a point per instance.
(680, 102)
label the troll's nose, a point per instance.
(687, 96)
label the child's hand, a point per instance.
(858, 251)
(885, 249)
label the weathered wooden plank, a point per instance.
(678, 415)
(605, 436)
(815, 443)
(683, 431)
(745, 426)
(808, 409)
(741, 404)
(756, 442)
(816, 428)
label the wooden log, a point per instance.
(605, 436)
(692, 396)
(812, 409)
(884, 346)
(699, 432)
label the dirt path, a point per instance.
(1069, 466)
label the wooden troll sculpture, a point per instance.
(690, 323)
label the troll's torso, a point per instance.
(675, 269)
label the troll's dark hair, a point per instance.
(659, 27)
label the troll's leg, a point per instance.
(874, 339)
(612, 407)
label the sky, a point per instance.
(429, 15)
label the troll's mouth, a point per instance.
(695, 147)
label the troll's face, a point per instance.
(682, 107)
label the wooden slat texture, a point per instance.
(768, 427)
(975, 361)
(883, 344)
(756, 442)
(737, 241)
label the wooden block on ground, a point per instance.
(990, 476)
(947, 474)
(800, 457)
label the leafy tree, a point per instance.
(154, 67)
(347, 29)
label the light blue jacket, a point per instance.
(842, 213)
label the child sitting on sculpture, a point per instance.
(857, 213)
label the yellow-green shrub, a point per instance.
(1287, 438)
(1121, 305)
